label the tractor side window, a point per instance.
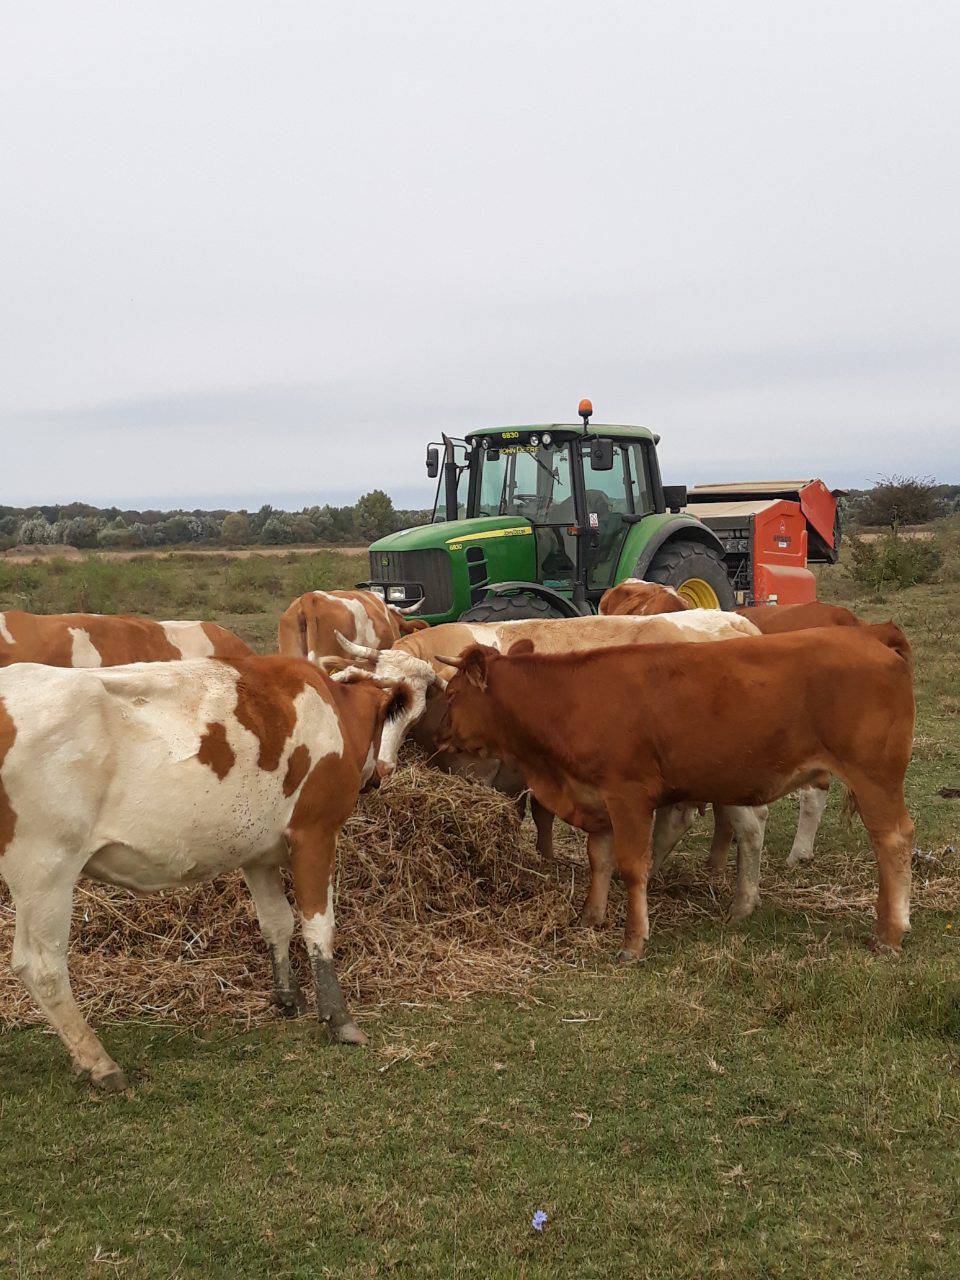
(609, 498)
(611, 489)
(640, 480)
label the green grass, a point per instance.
(247, 595)
(765, 1101)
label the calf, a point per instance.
(309, 626)
(159, 775)
(109, 640)
(638, 598)
(605, 738)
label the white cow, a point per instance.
(158, 775)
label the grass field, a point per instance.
(762, 1101)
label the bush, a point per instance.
(236, 529)
(893, 561)
(896, 500)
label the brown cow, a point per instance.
(774, 619)
(604, 738)
(777, 619)
(110, 640)
(639, 598)
(308, 628)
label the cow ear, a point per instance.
(475, 667)
(331, 664)
(520, 647)
(399, 702)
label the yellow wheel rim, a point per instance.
(699, 594)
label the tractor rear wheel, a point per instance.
(522, 604)
(695, 571)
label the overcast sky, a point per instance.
(264, 251)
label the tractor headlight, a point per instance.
(534, 440)
(547, 438)
(396, 593)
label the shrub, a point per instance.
(236, 529)
(893, 561)
(896, 500)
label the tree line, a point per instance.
(891, 501)
(78, 524)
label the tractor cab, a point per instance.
(540, 520)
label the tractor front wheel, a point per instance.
(697, 572)
(521, 604)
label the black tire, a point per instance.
(680, 560)
(521, 604)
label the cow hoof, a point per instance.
(589, 920)
(882, 948)
(290, 1003)
(113, 1082)
(349, 1033)
(625, 957)
(741, 911)
(799, 859)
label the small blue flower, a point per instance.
(538, 1220)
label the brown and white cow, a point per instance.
(638, 598)
(309, 626)
(163, 774)
(605, 738)
(109, 640)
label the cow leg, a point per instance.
(813, 802)
(40, 961)
(749, 826)
(312, 858)
(543, 821)
(632, 832)
(600, 853)
(891, 834)
(276, 924)
(722, 840)
(671, 823)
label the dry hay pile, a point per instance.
(441, 894)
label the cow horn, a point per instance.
(356, 650)
(411, 608)
(448, 662)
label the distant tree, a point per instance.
(35, 532)
(236, 529)
(896, 500)
(374, 515)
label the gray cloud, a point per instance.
(266, 258)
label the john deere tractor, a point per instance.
(539, 521)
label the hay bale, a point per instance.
(440, 894)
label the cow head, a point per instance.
(471, 723)
(389, 666)
(637, 598)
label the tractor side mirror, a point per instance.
(433, 462)
(601, 455)
(674, 496)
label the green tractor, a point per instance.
(539, 521)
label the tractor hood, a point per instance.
(452, 561)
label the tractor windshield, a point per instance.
(532, 481)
